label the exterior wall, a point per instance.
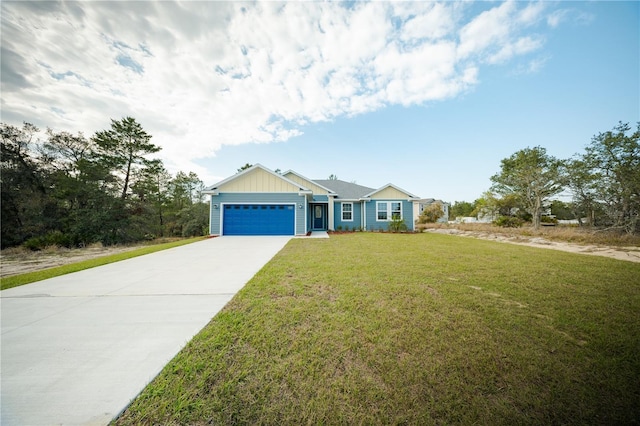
(258, 180)
(332, 222)
(371, 219)
(445, 218)
(418, 208)
(357, 215)
(307, 184)
(215, 224)
(389, 193)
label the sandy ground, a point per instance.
(14, 262)
(631, 254)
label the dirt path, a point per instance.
(631, 254)
(18, 261)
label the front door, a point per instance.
(318, 217)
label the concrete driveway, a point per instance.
(76, 349)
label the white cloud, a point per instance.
(199, 75)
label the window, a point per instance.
(347, 212)
(381, 209)
(388, 210)
(396, 210)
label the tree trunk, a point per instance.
(126, 179)
(537, 210)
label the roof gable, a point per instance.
(256, 179)
(313, 186)
(390, 191)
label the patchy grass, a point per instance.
(372, 328)
(570, 234)
(21, 279)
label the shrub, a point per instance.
(508, 222)
(397, 225)
(431, 213)
(54, 238)
(193, 228)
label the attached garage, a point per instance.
(258, 219)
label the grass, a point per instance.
(428, 329)
(570, 234)
(21, 279)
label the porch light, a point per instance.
(300, 205)
(215, 206)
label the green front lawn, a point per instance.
(371, 328)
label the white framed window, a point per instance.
(347, 212)
(396, 210)
(381, 211)
(388, 210)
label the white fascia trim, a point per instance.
(330, 192)
(250, 169)
(390, 185)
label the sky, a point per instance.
(429, 96)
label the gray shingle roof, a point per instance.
(345, 190)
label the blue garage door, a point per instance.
(258, 219)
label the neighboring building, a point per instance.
(426, 202)
(259, 201)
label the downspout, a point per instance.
(330, 213)
(364, 215)
(307, 228)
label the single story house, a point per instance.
(259, 201)
(426, 202)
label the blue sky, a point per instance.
(428, 96)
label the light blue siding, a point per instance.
(373, 224)
(357, 215)
(258, 198)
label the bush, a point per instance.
(431, 213)
(192, 228)
(397, 225)
(508, 222)
(54, 238)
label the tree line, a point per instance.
(604, 183)
(70, 190)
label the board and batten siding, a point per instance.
(307, 184)
(389, 193)
(258, 180)
(215, 227)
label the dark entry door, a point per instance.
(318, 217)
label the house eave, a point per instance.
(390, 185)
(216, 186)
